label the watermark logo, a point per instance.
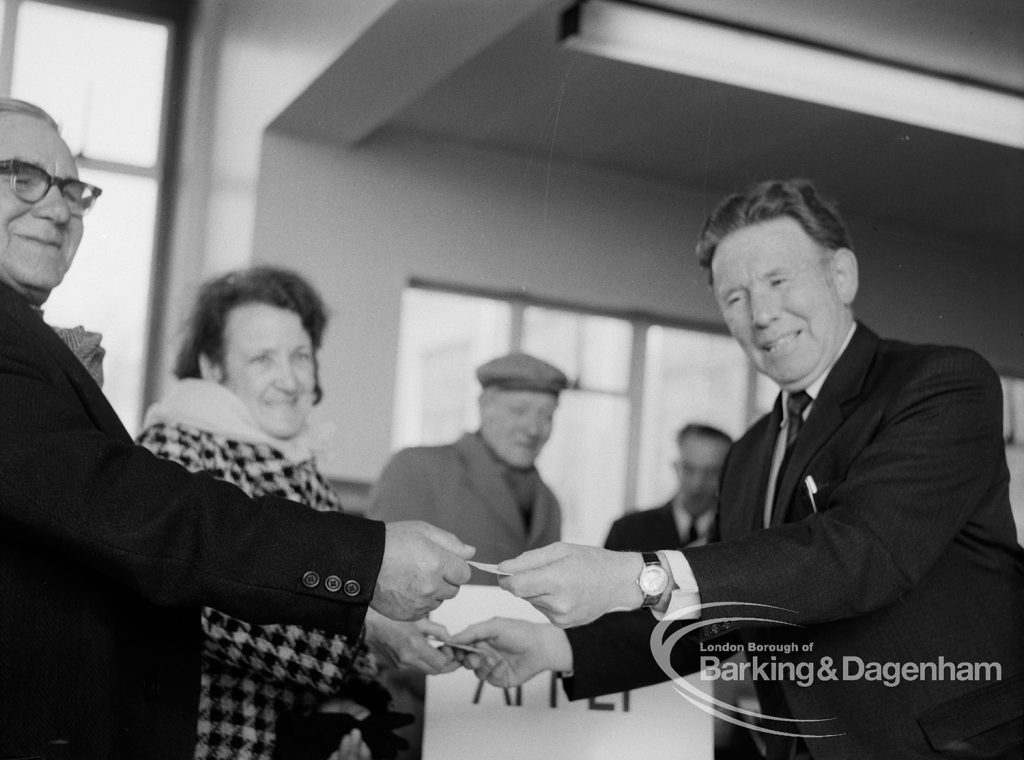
(663, 641)
(790, 661)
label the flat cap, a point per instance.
(521, 372)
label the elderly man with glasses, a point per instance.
(107, 553)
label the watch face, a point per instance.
(653, 580)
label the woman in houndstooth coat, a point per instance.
(240, 411)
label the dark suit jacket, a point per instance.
(107, 554)
(908, 555)
(644, 530)
(459, 487)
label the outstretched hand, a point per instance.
(402, 644)
(513, 651)
(422, 566)
(574, 584)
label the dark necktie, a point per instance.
(796, 403)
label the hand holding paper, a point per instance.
(407, 645)
(574, 584)
(514, 651)
(422, 566)
(487, 568)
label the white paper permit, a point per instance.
(464, 647)
(486, 567)
(466, 719)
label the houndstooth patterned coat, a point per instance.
(251, 673)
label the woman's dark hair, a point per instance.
(796, 198)
(283, 288)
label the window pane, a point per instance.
(107, 288)
(1013, 410)
(593, 350)
(689, 377)
(443, 338)
(1013, 431)
(1015, 460)
(584, 462)
(102, 78)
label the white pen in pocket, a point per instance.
(812, 488)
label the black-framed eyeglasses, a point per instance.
(30, 184)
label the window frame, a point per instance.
(640, 322)
(178, 17)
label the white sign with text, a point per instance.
(466, 719)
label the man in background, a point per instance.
(690, 513)
(485, 483)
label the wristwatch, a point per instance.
(653, 579)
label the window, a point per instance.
(584, 460)
(1013, 434)
(689, 376)
(444, 338)
(634, 383)
(105, 78)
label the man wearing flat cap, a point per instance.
(484, 486)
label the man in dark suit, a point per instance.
(107, 553)
(690, 513)
(869, 512)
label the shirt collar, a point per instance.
(814, 388)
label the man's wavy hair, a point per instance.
(283, 288)
(796, 198)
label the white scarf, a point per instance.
(206, 405)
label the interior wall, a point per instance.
(362, 222)
(249, 59)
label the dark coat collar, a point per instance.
(832, 406)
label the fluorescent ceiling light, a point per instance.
(671, 42)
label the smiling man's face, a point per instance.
(785, 299)
(38, 241)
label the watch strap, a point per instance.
(649, 558)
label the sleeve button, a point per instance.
(352, 588)
(332, 583)
(310, 579)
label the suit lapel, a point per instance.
(844, 382)
(483, 476)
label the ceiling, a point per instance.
(509, 84)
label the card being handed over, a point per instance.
(487, 568)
